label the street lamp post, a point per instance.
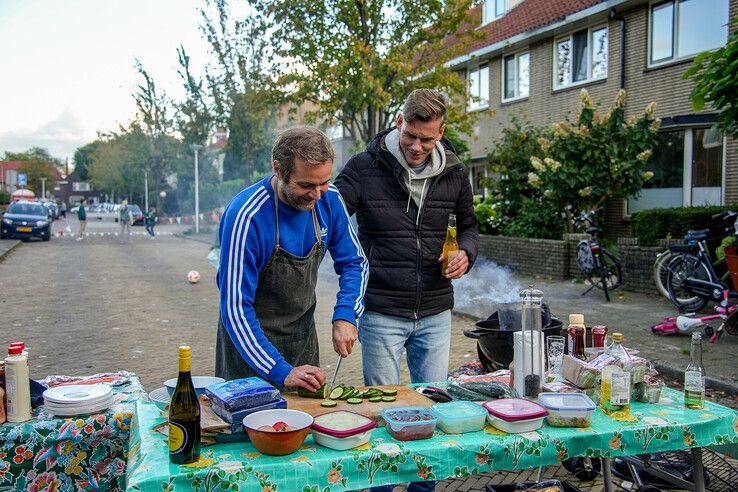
(196, 148)
(146, 190)
(43, 187)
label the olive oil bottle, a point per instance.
(451, 244)
(694, 376)
(184, 416)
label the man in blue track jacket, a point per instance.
(273, 237)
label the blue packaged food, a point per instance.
(236, 416)
(242, 393)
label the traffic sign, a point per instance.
(22, 179)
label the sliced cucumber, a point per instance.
(321, 393)
(375, 399)
(328, 404)
(389, 392)
(388, 399)
(346, 392)
(354, 401)
(336, 393)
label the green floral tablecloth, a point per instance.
(52, 454)
(239, 466)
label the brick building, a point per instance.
(538, 54)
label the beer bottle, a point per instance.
(578, 351)
(184, 416)
(451, 244)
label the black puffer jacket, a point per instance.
(404, 272)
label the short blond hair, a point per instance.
(424, 105)
(306, 142)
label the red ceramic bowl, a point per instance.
(278, 443)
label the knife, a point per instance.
(335, 373)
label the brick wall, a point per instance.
(526, 255)
(638, 265)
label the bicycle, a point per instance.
(660, 266)
(600, 268)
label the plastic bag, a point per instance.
(214, 257)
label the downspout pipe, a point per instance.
(615, 17)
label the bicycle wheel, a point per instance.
(661, 272)
(680, 268)
(607, 273)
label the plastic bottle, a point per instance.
(616, 383)
(694, 376)
(17, 386)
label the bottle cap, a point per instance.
(184, 351)
(576, 319)
(696, 336)
(15, 350)
(19, 344)
(617, 337)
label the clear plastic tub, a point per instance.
(515, 415)
(567, 409)
(409, 423)
(458, 417)
(342, 430)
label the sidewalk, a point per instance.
(6, 246)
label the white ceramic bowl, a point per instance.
(200, 382)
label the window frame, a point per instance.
(675, 57)
(590, 47)
(494, 17)
(478, 105)
(516, 56)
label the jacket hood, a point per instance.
(378, 150)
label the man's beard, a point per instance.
(294, 200)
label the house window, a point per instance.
(515, 76)
(493, 9)
(679, 29)
(80, 186)
(581, 57)
(478, 80)
(688, 171)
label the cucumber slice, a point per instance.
(375, 399)
(328, 404)
(354, 401)
(388, 399)
(346, 392)
(336, 393)
(389, 392)
(360, 394)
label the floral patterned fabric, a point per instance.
(239, 466)
(54, 454)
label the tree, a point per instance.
(82, 159)
(357, 61)
(715, 82)
(34, 153)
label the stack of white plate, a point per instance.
(78, 399)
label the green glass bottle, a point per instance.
(184, 416)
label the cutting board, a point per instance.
(405, 397)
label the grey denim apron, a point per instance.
(284, 304)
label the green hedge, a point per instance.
(4, 197)
(651, 225)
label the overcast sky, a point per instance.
(67, 66)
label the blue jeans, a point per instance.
(426, 340)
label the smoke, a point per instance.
(485, 286)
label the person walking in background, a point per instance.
(82, 217)
(151, 221)
(125, 218)
(63, 210)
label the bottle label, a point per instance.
(177, 437)
(694, 381)
(620, 389)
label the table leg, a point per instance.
(698, 472)
(607, 474)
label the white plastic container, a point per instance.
(17, 386)
(459, 417)
(341, 430)
(567, 409)
(515, 415)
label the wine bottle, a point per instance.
(184, 416)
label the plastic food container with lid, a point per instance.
(515, 415)
(409, 423)
(341, 430)
(458, 417)
(567, 409)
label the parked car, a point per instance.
(26, 220)
(53, 209)
(138, 215)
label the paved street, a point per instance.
(97, 305)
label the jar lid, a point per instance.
(342, 423)
(15, 350)
(617, 337)
(515, 409)
(576, 319)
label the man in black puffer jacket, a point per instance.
(403, 188)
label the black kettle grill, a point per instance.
(495, 343)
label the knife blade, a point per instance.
(335, 373)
